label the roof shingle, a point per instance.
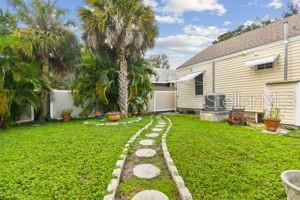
(258, 37)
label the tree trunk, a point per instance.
(1, 121)
(45, 77)
(123, 83)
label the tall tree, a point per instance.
(292, 9)
(141, 86)
(126, 27)
(94, 87)
(44, 35)
(19, 85)
(159, 61)
(8, 22)
(238, 31)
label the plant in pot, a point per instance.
(113, 116)
(66, 115)
(97, 113)
(272, 120)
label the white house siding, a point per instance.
(282, 96)
(242, 85)
(294, 60)
(186, 91)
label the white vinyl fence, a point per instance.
(61, 100)
(28, 116)
(163, 101)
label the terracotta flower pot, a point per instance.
(272, 124)
(113, 116)
(66, 117)
(98, 115)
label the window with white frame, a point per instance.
(265, 66)
(199, 85)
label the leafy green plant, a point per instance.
(125, 26)
(272, 113)
(8, 22)
(44, 37)
(95, 86)
(19, 86)
(140, 86)
(66, 112)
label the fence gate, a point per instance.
(163, 101)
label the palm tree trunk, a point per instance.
(1, 121)
(123, 83)
(45, 77)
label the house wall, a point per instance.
(242, 85)
(164, 87)
(283, 96)
(186, 91)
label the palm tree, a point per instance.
(8, 22)
(127, 27)
(43, 37)
(94, 86)
(18, 85)
(140, 73)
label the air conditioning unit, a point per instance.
(215, 102)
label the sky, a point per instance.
(188, 26)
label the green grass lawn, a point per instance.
(294, 133)
(60, 160)
(219, 161)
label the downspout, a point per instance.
(286, 52)
(214, 76)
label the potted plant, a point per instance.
(272, 120)
(98, 115)
(66, 115)
(113, 116)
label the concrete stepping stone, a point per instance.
(146, 142)
(157, 129)
(145, 153)
(146, 171)
(152, 135)
(160, 126)
(150, 195)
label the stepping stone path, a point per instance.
(152, 135)
(157, 129)
(146, 142)
(144, 169)
(150, 195)
(145, 153)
